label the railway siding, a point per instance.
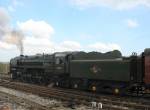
(26, 100)
(78, 97)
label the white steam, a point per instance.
(9, 35)
(15, 37)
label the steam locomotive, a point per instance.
(99, 72)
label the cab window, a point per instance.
(59, 61)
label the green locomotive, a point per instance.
(99, 72)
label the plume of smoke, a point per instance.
(15, 37)
(9, 35)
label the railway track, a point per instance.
(22, 101)
(78, 97)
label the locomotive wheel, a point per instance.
(21, 79)
(30, 80)
(57, 83)
(40, 80)
(93, 87)
(75, 86)
(116, 91)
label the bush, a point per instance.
(4, 67)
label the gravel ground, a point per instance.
(54, 104)
(6, 105)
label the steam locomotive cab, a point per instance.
(60, 63)
(61, 70)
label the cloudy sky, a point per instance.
(46, 26)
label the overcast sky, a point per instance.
(47, 26)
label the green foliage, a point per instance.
(4, 67)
